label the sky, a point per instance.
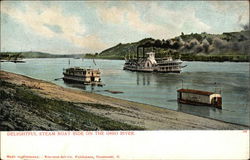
(76, 27)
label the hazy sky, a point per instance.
(63, 27)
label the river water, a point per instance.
(158, 89)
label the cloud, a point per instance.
(92, 42)
(225, 6)
(178, 20)
(151, 18)
(117, 21)
(136, 22)
(241, 8)
(28, 18)
(54, 28)
(113, 14)
(51, 21)
(129, 16)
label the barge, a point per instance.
(152, 64)
(197, 97)
(82, 75)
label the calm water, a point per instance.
(158, 89)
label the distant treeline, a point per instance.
(10, 55)
(215, 58)
(96, 56)
(230, 46)
(188, 57)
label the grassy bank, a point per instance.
(23, 109)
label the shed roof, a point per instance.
(82, 69)
(195, 91)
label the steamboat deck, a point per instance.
(152, 64)
(82, 75)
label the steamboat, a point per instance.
(152, 64)
(82, 75)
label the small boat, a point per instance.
(17, 61)
(82, 75)
(198, 97)
(113, 92)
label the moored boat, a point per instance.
(82, 75)
(198, 97)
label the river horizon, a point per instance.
(158, 89)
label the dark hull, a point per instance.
(139, 70)
(197, 103)
(80, 82)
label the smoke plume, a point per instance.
(245, 27)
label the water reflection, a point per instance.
(160, 79)
(158, 89)
(143, 78)
(75, 85)
(90, 88)
(197, 110)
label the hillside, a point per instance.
(231, 46)
(31, 54)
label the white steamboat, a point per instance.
(152, 64)
(82, 75)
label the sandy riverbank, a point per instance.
(142, 115)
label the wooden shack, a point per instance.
(197, 97)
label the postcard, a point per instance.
(124, 80)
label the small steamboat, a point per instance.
(152, 64)
(82, 75)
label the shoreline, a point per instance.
(121, 58)
(142, 115)
(196, 59)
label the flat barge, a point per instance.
(197, 97)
